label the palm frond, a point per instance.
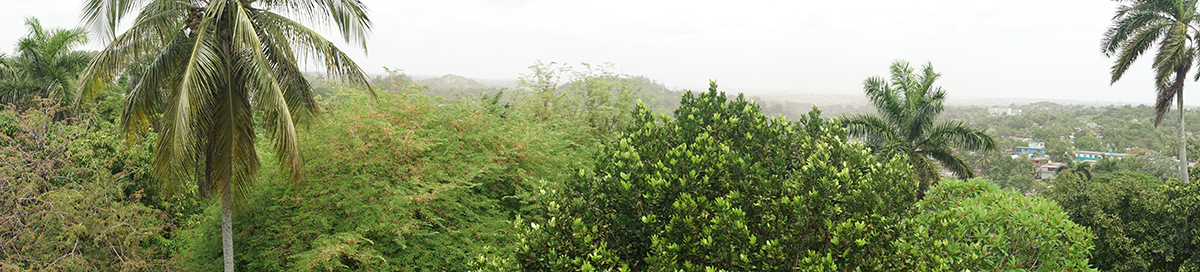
(876, 131)
(349, 16)
(928, 77)
(924, 171)
(924, 112)
(1171, 52)
(278, 51)
(886, 100)
(183, 120)
(256, 69)
(902, 76)
(146, 98)
(959, 135)
(155, 27)
(311, 44)
(102, 16)
(951, 162)
(1168, 91)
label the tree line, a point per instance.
(138, 159)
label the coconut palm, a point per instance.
(1169, 25)
(216, 63)
(45, 64)
(907, 108)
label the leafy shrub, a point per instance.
(1140, 222)
(974, 225)
(1183, 230)
(64, 200)
(402, 183)
(719, 187)
(592, 105)
(1009, 173)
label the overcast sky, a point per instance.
(983, 48)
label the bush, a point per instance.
(402, 183)
(1009, 173)
(65, 201)
(974, 225)
(721, 186)
(1140, 222)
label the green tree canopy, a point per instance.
(1141, 222)
(720, 187)
(975, 226)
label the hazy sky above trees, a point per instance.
(983, 48)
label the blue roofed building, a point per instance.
(1033, 148)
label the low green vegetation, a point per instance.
(74, 198)
(720, 187)
(404, 182)
(1141, 223)
(579, 168)
(974, 225)
(1008, 172)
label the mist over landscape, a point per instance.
(541, 135)
(1020, 50)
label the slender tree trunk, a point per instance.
(226, 50)
(1183, 161)
(924, 173)
(227, 227)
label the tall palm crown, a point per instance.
(213, 65)
(45, 63)
(907, 108)
(1172, 26)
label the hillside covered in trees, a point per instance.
(195, 141)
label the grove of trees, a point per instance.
(136, 161)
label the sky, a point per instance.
(1029, 49)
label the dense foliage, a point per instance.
(974, 225)
(73, 199)
(557, 175)
(1141, 223)
(1008, 172)
(1066, 128)
(593, 103)
(721, 187)
(402, 183)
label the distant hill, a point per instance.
(448, 85)
(451, 82)
(498, 83)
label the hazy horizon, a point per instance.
(1004, 49)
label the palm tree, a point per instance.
(1171, 26)
(215, 63)
(907, 108)
(1084, 170)
(45, 64)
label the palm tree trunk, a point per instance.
(227, 228)
(1183, 161)
(924, 173)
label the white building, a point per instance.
(1004, 111)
